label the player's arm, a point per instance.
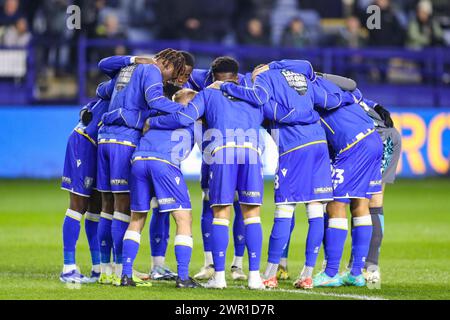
(274, 111)
(105, 89)
(257, 95)
(154, 92)
(384, 113)
(183, 118)
(344, 83)
(112, 65)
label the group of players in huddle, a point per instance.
(123, 159)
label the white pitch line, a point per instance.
(337, 295)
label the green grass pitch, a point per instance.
(415, 258)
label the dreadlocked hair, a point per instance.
(171, 56)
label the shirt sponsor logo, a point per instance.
(166, 201)
(323, 190)
(375, 183)
(296, 81)
(124, 77)
(251, 194)
(119, 182)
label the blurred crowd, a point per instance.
(412, 24)
(290, 23)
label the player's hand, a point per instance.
(144, 60)
(259, 70)
(215, 85)
(85, 116)
(146, 126)
(385, 115)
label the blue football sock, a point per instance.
(131, 242)
(220, 240)
(206, 225)
(183, 252)
(166, 232)
(104, 237)
(159, 225)
(286, 250)
(91, 226)
(336, 234)
(118, 228)
(238, 231)
(253, 240)
(280, 232)
(325, 226)
(71, 232)
(315, 233)
(361, 236)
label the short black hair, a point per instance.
(189, 58)
(225, 64)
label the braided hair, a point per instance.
(171, 56)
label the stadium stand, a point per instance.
(54, 64)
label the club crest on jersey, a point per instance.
(88, 181)
(296, 81)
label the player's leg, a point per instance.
(372, 270)
(282, 273)
(284, 213)
(121, 220)
(173, 197)
(183, 247)
(325, 226)
(78, 180)
(91, 227)
(250, 187)
(105, 237)
(279, 237)
(253, 240)
(141, 190)
(222, 188)
(361, 235)
(131, 243)
(71, 232)
(106, 215)
(392, 145)
(335, 236)
(207, 217)
(369, 182)
(314, 212)
(239, 243)
(207, 271)
(220, 239)
(159, 237)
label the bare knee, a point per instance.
(95, 202)
(122, 203)
(107, 202)
(183, 219)
(359, 207)
(222, 212)
(137, 221)
(376, 201)
(249, 211)
(336, 209)
(78, 203)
